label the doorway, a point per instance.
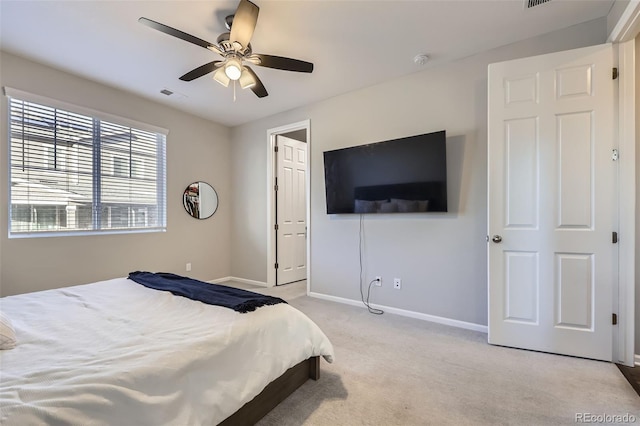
(288, 218)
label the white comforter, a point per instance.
(118, 353)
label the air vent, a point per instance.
(174, 95)
(528, 4)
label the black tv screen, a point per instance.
(407, 175)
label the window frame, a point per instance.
(97, 116)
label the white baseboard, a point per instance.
(405, 313)
(240, 280)
(636, 359)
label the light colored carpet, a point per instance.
(392, 370)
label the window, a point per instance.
(74, 172)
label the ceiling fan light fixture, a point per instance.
(246, 79)
(221, 77)
(233, 68)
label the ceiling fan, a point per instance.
(235, 48)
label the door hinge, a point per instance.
(614, 154)
(275, 148)
(275, 187)
(275, 226)
(614, 237)
(614, 73)
(276, 265)
(614, 319)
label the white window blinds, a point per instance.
(72, 172)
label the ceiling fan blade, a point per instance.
(179, 34)
(244, 22)
(200, 71)
(258, 88)
(281, 63)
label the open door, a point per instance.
(291, 210)
(552, 203)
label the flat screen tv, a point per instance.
(407, 175)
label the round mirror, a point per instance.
(200, 200)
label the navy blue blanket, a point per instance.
(213, 294)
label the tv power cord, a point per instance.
(374, 311)
(371, 310)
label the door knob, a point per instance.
(496, 239)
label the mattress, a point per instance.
(116, 352)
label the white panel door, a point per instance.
(291, 213)
(552, 197)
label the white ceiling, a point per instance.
(353, 44)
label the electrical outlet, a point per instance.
(188, 267)
(378, 281)
(397, 283)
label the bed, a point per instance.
(116, 352)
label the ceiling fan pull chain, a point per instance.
(234, 90)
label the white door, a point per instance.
(291, 213)
(552, 203)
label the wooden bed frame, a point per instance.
(275, 392)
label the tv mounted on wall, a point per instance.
(406, 175)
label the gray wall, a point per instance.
(617, 9)
(196, 150)
(440, 257)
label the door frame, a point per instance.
(271, 197)
(623, 34)
(624, 335)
